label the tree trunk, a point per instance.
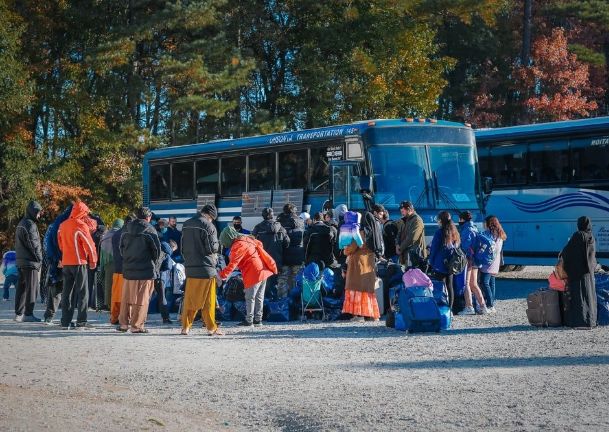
(526, 33)
(605, 109)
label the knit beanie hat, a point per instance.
(228, 236)
(118, 223)
(210, 210)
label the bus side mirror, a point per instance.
(365, 184)
(487, 185)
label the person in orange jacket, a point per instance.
(256, 266)
(78, 250)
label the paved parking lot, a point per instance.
(491, 372)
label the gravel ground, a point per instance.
(491, 372)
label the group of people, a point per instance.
(137, 257)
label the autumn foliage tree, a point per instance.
(556, 86)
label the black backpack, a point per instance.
(234, 290)
(456, 261)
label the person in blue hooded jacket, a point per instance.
(10, 272)
(469, 232)
(54, 277)
(446, 238)
(159, 285)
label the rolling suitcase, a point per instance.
(544, 308)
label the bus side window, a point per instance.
(508, 164)
(262, 172)
(293, 169)
(181, 180)
(159, 182)
(590, 161)
(549, 162)
(319, 170)
(233, 175)
(207, 173)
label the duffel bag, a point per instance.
(446, 317)
(224, 312)
(279, 310)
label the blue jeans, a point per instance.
(488, 288)
(10, 280)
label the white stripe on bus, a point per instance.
(193, 211)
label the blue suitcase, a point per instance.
(446, 317)
(419, 310)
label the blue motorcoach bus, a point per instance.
(430, 163)
(546, 176)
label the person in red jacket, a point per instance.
(256, 266)
(77, 250)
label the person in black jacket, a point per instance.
(319, 241)
(200, 249)
(293, 255)
(274, 239)
(141, 251)
(29, 260)
(117, 277)
(579, 260)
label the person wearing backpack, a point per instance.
(488, 270)
(445, 241)
(468, 233)
(293, 255)
(274, 239)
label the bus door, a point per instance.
(346, 185)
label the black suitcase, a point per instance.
(544, 308)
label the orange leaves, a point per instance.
(557, 85)
(55, 197)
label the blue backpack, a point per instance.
(484, 248)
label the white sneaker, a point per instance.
(482, 311)
(19, 318)
(491, 310)
(468, 311)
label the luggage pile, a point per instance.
(602, 297)
(231, 302)
(419, 305)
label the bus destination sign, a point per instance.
(335, 152)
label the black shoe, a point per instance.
(245, 323)
(68, 327)
(167, 321)
(31, 318)
(257, 323)
(83, 325)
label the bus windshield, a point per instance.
(454, 172)
(400, 173)
(431, 177)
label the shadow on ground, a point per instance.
(478, 363)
